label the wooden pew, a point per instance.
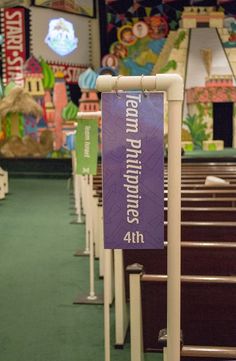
(203, 186)
(208, 309)
(206, 202)
(226, 176)
(199, 258)
(190, 179)
(224, 232)
(207, 353)
(208, 315)
(199, 181)
(213, 165)
(201, 214)
(207, 231)
(206, 193)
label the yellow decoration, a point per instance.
(147, 56)
(59, 74)
(148, 11)
(207, 59)
(185, 135)
(126, 36)
(34, 86)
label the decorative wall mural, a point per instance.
(138, 45)
(195, 39)
(39, 119)
(147, 26)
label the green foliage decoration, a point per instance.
(8, 125)
(48, 75)
(197, 128)
(205, 109)
(234, 110)
(201, 110)
(70, 111)
(170, 65)
(228, 94)
(21, 125)
(181, 37)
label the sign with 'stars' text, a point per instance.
(71, 72)
(133, 170)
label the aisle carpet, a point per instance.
(40, 278)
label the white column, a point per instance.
(121, 310)
(173, 232)
(136, 324)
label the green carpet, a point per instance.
(40, 278)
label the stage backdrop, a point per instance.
(44, 52)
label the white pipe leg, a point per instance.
(136, 325)
(92, 296)
(107, 340)
(87, 217)
(111, 274)
(78, 198)
(84, 193)
(165, 354)
(2, 189)
(95, 226)
(4, 175)
(100, 240)
(173, 231)
(121, 309)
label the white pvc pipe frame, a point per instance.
(92, 295)
(89, 115)
(172, 84)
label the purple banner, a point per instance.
(133, 170)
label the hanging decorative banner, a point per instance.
(14, 46)
(87, 146)
(133, 170)
(148, 11)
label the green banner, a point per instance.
(87, 146)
